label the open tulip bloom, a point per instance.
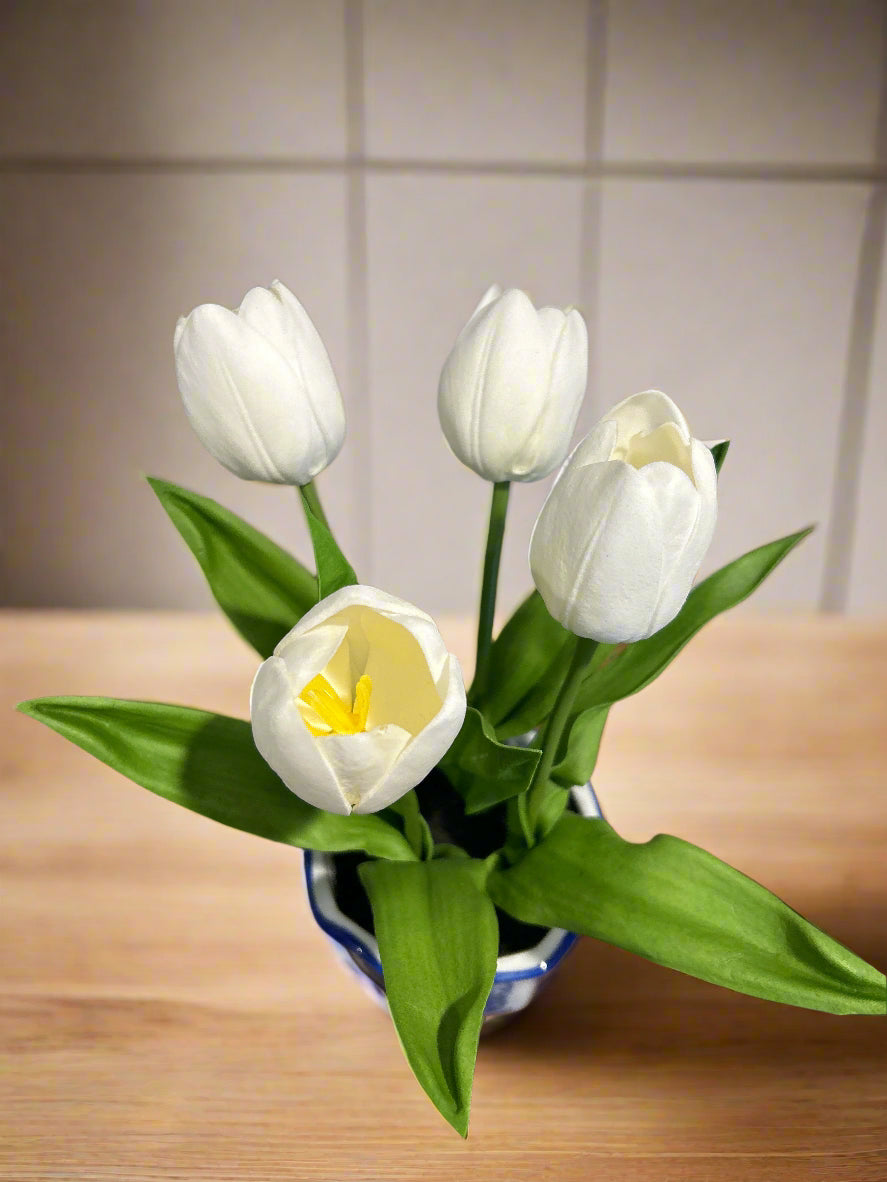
(357, 704)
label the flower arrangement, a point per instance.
(357, 702)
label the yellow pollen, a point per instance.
(327, 705)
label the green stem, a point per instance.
(312, 498)
(554, 728)
(415, 827)
(495, 533)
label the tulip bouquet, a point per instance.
(358, 710)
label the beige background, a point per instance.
(705, 179)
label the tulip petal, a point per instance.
(361, 595)
(596, 552)
(663, 443)
(312, 653)
(483, 399)
(566, 338)
(679, 506)
(626, 523)
(492, 293)
(383, 646)
(509, 388)
(406, 614)
(360, 763)
(425, 749)
(416, 707)
(595, 448)
(403, 688)
(689, 514)
(281, 319)
(245, 401)
(705, 477)
(569, 362)
(641, 413)
(286, 744)
(427, 636)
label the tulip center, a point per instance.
(331, 710)
(664, 443)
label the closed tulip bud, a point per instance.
(627, 523)
(258, 387)
(358, 702)
(511, 388)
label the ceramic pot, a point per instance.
(519, 975)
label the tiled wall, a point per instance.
(705, 179)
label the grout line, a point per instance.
(359, 409)
(593, 170)
(597, 26)
(355, 114)
(841, 536)
(642, 170)
(171, 165)
(590, 225)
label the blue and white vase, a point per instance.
(519, 975)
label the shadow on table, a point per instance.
(609, 1004)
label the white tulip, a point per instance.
(258, 387)
(358, 702)
(511, 388)
(627, 523)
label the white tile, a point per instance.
(435, 244)
(868, 567)
(713, 80)
(173, 78)
(457, 80)
(735, 298)
(100, 269)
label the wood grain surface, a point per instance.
(169, 1011)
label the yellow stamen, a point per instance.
(362, 692)
(329, 707)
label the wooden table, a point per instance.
(169, 1011)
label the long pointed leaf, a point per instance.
(677, 905)
(617, 672)
(438, 941)
(261, 588)
(208, 763)
(616, 675)
(632, 670)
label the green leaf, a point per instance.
(438, 941)
(583, 742)
(333, 569)
(615, 674)
(446, 849)
(261, 588)
(619, 670)
(482, 769)
(679, 906)
(534, 707)
(208, 763)
(719, 453)
(522, 658)
(553, 802)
